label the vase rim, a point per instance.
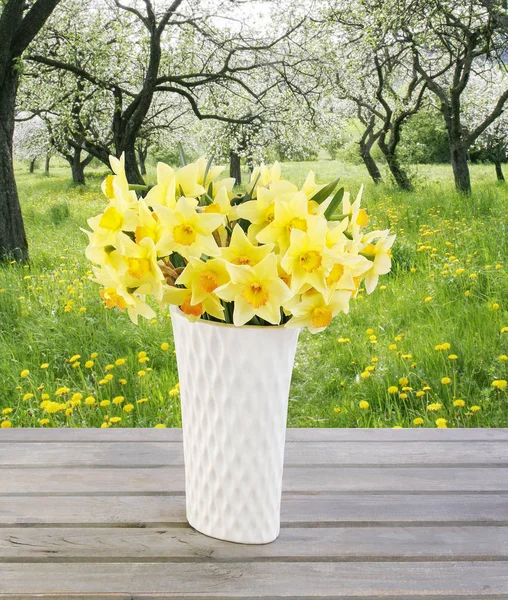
(176, 311)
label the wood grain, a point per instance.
(183, 544)
(479, 579)
(293, 435)
(157, 454)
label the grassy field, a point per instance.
(425, 347)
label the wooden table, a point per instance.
(99, 514)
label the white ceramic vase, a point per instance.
(234, 386)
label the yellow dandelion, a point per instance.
(500, 384)
(44, 365)
(108, 377)
(7, 411)
(61, 391)
(164, 346)
(94, 355)
(89, 364)
(103, 381)
(104, 425)
(128, 408)
(452, 357)
(24, 373)
(459, 403)
(109, 367)
(343, 340)
(120, 361)
(418, 421)
(428, 299)
(403, 396)
(495, 306)
(393, 389)
(337, 409)
(434, 407)
(43, 422)
(74, 358)
(475, 408)
(160, 426)
(174, 392)
(446, 381)
(365, 375)
(122, 381)
(143, 353)
(369, 331)
(142, 401)
(115, 420)
(502, 357)
(141, 373)
(28, 396)
(118, 400)
(104, 403)
(363, 405)
(6, 425)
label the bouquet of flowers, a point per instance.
(273, 255)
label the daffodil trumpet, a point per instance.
(274, 255)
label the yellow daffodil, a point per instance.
(380, 256)
(187, 181)
(307, 259)
(187, 231)
(290, 212)
(242, 252)
(203, 278)
(265, 176)
(315, 312)
(256, 291)
(140, 266)
(182, 297)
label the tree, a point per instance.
(378, 75)
(492, 143)
(20, 22)
(31, 140)
(451, 41)
(176, 50)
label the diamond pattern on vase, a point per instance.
(234, 386)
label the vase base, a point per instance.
(234, 538)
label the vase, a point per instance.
(234, 387)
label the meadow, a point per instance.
(428, 348)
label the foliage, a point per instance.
(424, 138)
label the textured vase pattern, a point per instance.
(234, 386)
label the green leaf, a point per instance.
(208, 165)
(336, 200)
(183, 158)
(323, 193)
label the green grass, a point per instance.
(50, 311)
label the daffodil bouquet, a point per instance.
(273, 255)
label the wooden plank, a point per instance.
(157, 454)
(29, 435)
(309, 544)
(429, 580)
(170, 480)
(296, 510)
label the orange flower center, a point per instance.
(208, 281)
(112, 299)
(138, 267)
(242, 260)
(335, 274)
(256, 294)
(321, 317)
(111, 219)
(297, 223)
(188, 309)
(184, 234)
(143, 232)
(363, 218)
(310, 261)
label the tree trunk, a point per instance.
(32, 165)
(141, 160)
(46, 166)
(499, 170)
(131, 167)
(399, 174)
(235, 167)
(13, 242)
(460, 166)
(370, 163)
(78, 172)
